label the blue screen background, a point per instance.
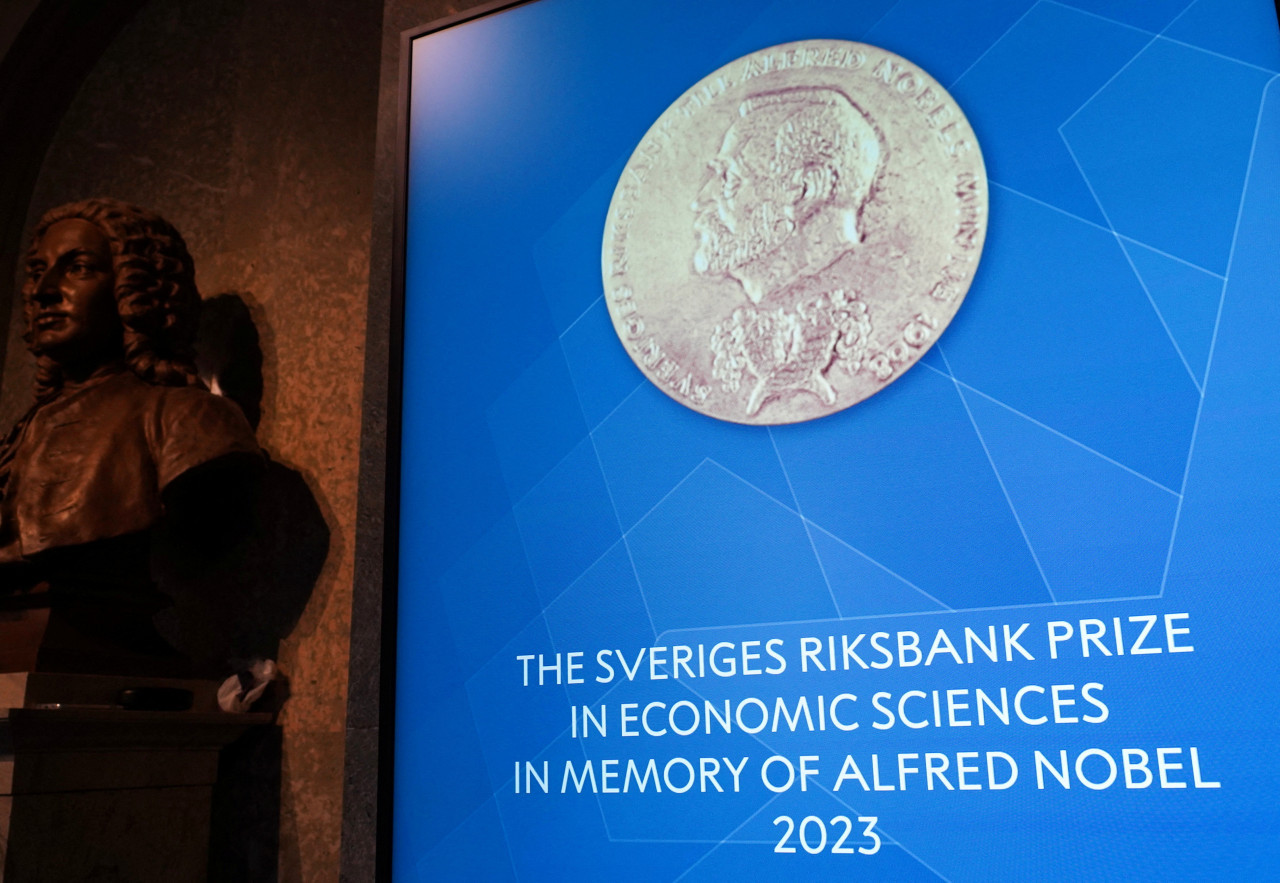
(1094, 436)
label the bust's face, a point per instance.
(69, 295)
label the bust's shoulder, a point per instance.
(193, 410)
(190, 426)
(177, 422)
(189, 398)
(181, 421)
(129, 391)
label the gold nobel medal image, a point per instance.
(794, 232)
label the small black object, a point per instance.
(156, 699)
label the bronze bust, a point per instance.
(122, 436)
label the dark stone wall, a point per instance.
(251, 126)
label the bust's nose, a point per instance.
(47, 293)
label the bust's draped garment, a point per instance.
(92, 464)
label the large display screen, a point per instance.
(841, 439)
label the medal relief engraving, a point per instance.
(794, 232)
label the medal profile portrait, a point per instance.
(794, 232)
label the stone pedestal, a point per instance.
(89, 791)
